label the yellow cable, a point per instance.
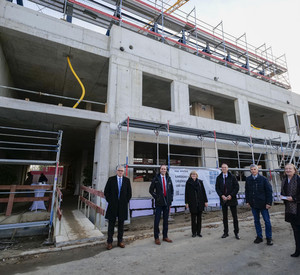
(255, 127)
(82, 87)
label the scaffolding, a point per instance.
(272, 165)
(172, 26)
(15, 145)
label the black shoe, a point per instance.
(258, 240)
(225, 235)
(269, 242)
(199, 235)
(194, 235)
(296, 254)
(237, 236)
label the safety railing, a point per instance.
(181, 30)
(13, 190)
(58, 213)
(85, 203)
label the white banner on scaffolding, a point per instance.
(179, 177)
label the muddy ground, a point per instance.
(140, 228)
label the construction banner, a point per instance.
(179, 177)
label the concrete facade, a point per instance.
(98, 132)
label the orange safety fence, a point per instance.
(13, 190)
(95, 192)
(59, 196)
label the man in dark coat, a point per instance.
(162, 191)
(118, 194)
(227, 188)
(259, 196)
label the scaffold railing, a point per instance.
(20, 146)
(179, 29)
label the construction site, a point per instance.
(88, 85)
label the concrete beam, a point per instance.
(18, 18)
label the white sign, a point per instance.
(179, 177)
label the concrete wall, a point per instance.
(5, 77)
(185, 70)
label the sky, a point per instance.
(274, 22)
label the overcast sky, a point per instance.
(274, 22)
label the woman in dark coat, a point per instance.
(195, 200)
(290, 193)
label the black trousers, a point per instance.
(110, 230)
(296, 230)
(233, 210)
(158, 210)
(196, 219)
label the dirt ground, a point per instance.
(207, 255)
(140, 227)
(183, 219)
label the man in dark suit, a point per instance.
(227, 188)
(259, 196)
(117, 193)
(162, 191)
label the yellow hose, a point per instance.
(256, 128)
(82, 87)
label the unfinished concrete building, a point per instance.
(160, 89)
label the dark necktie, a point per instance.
(224, 181)
(164, 185)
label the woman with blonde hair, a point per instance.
(290, 193)
(195, 200)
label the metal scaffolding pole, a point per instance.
(157, 146)
(216, 150)
(127, 146)
(168, 146)
(54, 184)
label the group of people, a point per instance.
(258, 196)
(29, 178)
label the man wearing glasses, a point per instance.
(118, 194)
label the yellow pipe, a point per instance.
(256, 128)
(82, 87)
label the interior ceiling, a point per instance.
(78, 134)
(223, 107)
(266, 118)
(41, 65)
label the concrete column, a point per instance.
(210, 157)
(289, 123)
(101, 156)
(180, 98)
(101, 162)
(5, 78)
(272, 163)
(242, 113)
(112, 88)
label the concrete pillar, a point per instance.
(210, 157)
(242, 113)
(112, 88)
(180, 98)
(101, 156)
(289, 123)
(5, 78)
(272, 163)
(101, 162)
